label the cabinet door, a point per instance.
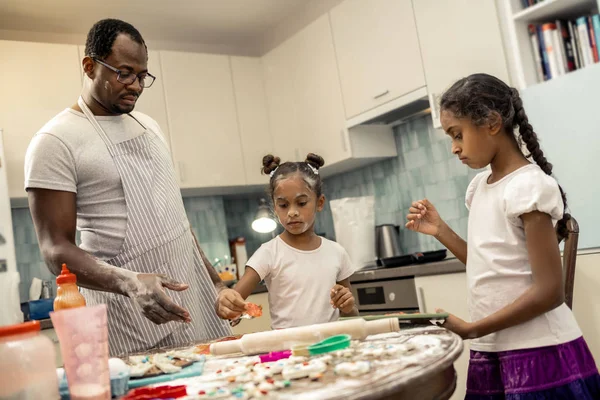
(458, 38)
(377, 51)
(152, 100)
(318, 94)
(252, 116)
(202, 119)
(38, 81)
(448, 292)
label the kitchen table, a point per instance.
(415, 363)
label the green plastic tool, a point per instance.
(333, 343)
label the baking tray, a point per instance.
(409, 318)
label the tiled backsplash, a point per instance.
(424, 167)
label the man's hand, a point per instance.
(341, 298)
(159, 308)
(230, 304)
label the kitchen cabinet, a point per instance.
(458, 38)
(586, 300)
(377, 51)
(449, 292)
(152, 101)
(257, 324)
(201, 112)
(253, 122)
(38, 81)
(305, 105)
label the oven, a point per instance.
(384, 296)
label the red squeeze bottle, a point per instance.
(67, 292)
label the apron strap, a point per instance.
(88, 113)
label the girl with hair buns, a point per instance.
(307, 275)
(525, 342)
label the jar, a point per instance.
(27, 370)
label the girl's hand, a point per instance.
(424, 218)
(342, 299)
(230, 304)
(464, 329)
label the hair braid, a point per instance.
(532, 143)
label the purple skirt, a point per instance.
(565, 371)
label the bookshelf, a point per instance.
(517, 34)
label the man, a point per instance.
(106, 170)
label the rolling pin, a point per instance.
(283, 339)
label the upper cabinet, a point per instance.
(305, 104)
(458, 38)
(31, 96)
(377, 50)
(201, 110)
(253, 122)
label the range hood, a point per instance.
(411, 105)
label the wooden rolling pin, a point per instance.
(283, 339)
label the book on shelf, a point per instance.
(562, 46)
(529, 3)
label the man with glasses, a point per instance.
(106, 170)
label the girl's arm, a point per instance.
(248, 283)
(342, 298)
(546, 292)
(424, 218)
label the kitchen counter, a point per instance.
(447, 266)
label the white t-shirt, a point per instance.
(498, 268)
(67, 154)
(300, 282)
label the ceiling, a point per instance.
(216, 22)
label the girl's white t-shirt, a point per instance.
(498, 268)
(300, 282)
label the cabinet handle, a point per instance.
(381, 94)
(181, 165)
(421, 300)
(343, 137)
(434, 104)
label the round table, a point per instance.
(422, 368)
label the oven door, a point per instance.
(386, 296)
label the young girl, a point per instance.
(307, 275)
(525, 342)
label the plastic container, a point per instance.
(83, 335)
(40, 309)
(119, 379)
(27, 370)
(284, 339)
(67, 292)
(333, 343)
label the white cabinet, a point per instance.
(306, 109)
(152, 101)
(38, 81)
(458, 38)
(252, 116)
(586, 301)
(257, 324)
(201, 110)
(377, 51)
(448, 292)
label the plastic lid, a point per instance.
(333, 343)
(19, 329)
(65, 276)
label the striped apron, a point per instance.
(158, 240)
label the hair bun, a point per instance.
(314, 160)
(270, 163)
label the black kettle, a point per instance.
(387, 241)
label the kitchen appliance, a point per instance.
(387, 241)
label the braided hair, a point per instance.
(272, 164)
(102, 35)
(481, 97)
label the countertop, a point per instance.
(447, 266)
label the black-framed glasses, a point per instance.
(127, 78)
